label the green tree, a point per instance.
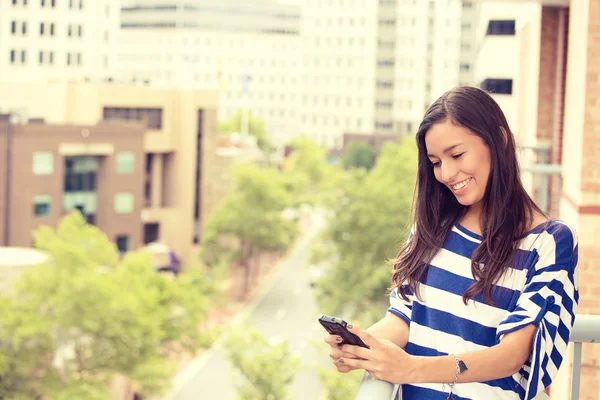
(340, 386)
(256, 128)
(69, 327)
(267, 367)
(315, 180)
(249, 220)
(368, 221)
(359, 155)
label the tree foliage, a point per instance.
(340, 386)
(368, 221)
(256, 128)
(69, 327)
(250, 219)
(359, 155)
(267, 366)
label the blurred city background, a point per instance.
(186, 185)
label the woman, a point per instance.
(485, 290)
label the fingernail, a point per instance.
(341, 360)
(350, 326)
(339, 339)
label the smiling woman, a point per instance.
(485, 290)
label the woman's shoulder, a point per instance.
(554, 238)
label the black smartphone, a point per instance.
(337, 326)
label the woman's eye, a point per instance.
(435, 164)
(457, 156)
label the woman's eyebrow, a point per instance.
(446, 150)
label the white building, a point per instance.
(427, 55)
(499, 52)
(57, 40)
(250, 50)
(469, 27)
(318, 68)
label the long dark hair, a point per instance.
(507, 208)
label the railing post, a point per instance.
(576, 375)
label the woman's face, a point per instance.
(460, 160)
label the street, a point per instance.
(286, 310)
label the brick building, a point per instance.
(179, 128)
(558, 85)
(47, 171)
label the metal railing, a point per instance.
(544, 171)
(586, 330)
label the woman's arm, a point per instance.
(387, 361)
(499, 361)
(391, 328)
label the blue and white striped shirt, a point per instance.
(541, 288)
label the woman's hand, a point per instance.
(383, 359)
(336, 353)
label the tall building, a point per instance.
(179, 129)
(58, 40)
(316, 68)
(50, 170)
(248, 50)
(468, 44)
(498, 57)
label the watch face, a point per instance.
(462, 367)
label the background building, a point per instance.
(179, 128)
(468, 42)
(248, 50)
(50, 170)
(57, 40)
(316, 68)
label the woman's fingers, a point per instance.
(333, 340)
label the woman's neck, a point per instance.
(472, 219)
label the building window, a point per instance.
(123, 243)
(467, 4)
(41, 57)
(151, 116)
(13, 27)
(80, 30)
(78, 58)
(51, 58)
(43, 2)
(12, 56)
(41, 29)
(43, 163)
(80, 4)
(68, 58)
(125, 162)
(53, 3)
(70, 3)
(151, 233)
(501, 28)
(70, 30)
(123, 203)
(23, 56)
(41, 205)
(497, 86)
(51, 29)
(465, 67)
(14, 2)
(24, 28)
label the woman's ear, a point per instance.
(504, 136)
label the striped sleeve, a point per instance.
(548, 301)
(398, 306)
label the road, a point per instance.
(286, 310)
